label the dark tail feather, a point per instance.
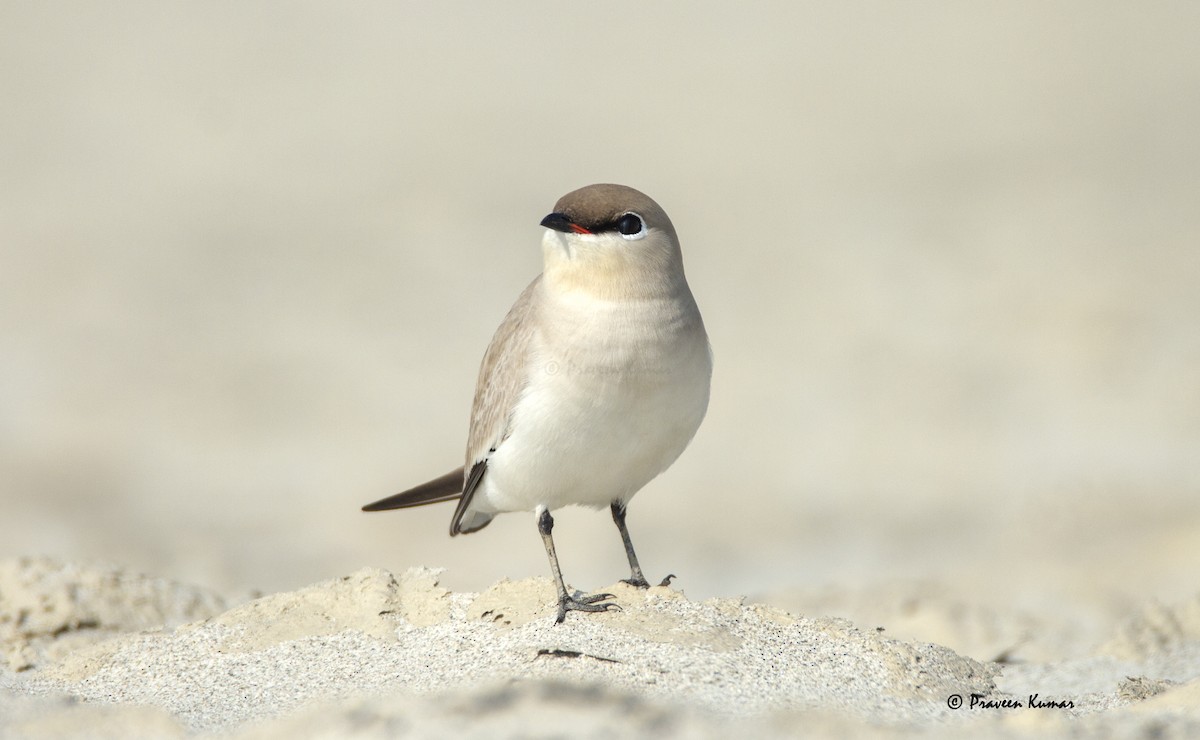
(446, 488)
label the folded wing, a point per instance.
(448, 487)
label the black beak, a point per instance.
(560, 222)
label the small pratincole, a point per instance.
(595, 382)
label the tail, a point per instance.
(448, 487)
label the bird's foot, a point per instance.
(639, 581)
(584, 603)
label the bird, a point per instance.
(594, 383)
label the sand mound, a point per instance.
(50, 605)
(374, 654)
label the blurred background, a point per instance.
(948, 255)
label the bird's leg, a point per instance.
(566, 602)
(635, 578)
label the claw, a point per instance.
(592, 603)
(643, 583)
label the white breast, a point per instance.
(615, 392)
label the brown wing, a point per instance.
(446, 488)
(502, 378)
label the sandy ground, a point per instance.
(251, 254)
(374, 654)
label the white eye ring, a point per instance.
(627, 220)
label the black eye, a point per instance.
(629, 224)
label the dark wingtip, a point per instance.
(383, 504)
(444, 488)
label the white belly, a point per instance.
(609, 406)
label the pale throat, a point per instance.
(611, 278)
